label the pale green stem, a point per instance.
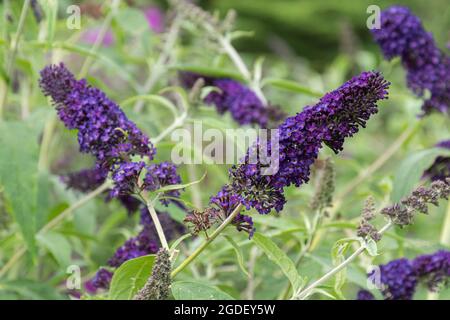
(211, 238)
(159, 67)
(100, 37)
(445, 233)
(12, 55)
(240, 65)
(45, 144)
(307, 291)
(305, 249)
(158, 227)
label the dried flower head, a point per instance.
(402, 214)
(158, 284)
(323, 195)
(365, 228)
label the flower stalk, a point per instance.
(211, 238)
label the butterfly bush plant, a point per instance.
(341, 194)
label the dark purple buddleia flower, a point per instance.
(103, 128)
(232, 96)
(161, 175)
(428, 68)
(126, 178)
(433, 269)
(85, 180)
(398, 280)
(226, 201)
(101, 280)
(89, 179)
(365, 295)
(440, 169)
(335, 117)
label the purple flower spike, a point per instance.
(428, 68)
(101, 280)
(335, 117)
(126, 178)
(161, 175)
(103, 128)
(232, 96)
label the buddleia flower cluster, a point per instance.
(428, 68)
(144, 243)
(232, 96)
(337, 115)
(105, 132)
(399, 278)
(440, 169)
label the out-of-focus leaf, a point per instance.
(411, 170)
(277, 256)
(291, 86)
(239, 255)
(58, 246)
(132, 21)
(28, 289)
(186, 290)
(130, 277)
(19, 176)
(209, 71)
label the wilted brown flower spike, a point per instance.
(365, 228)
(158, 285)
(323, 196)
(402, 213)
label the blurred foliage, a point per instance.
(315, 45)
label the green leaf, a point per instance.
(209, 71)
(292, 86)
(179, 240)
(130, 277)
(411, 169)
(132, 21)
(277, 256)
(180, 186)
(19, 176)
(239, 255)
(58, 246)
(371, 247)
(187, 290)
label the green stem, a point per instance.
(445, 233)
(305, 249)
(100, 37)
(240, 65)
(202, 247)
(307, 291)
(158, 227)
(12, 55)
(158, 68)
